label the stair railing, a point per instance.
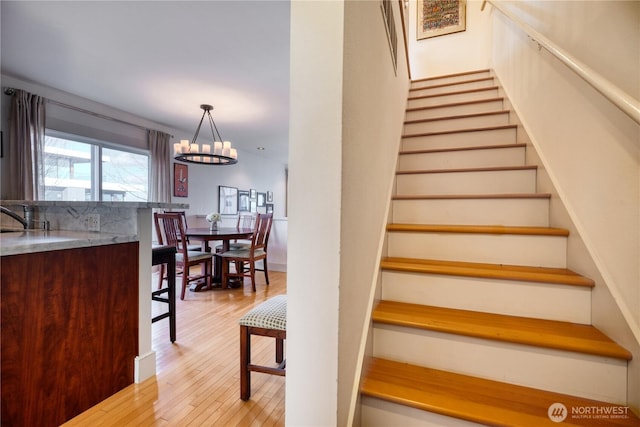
(629, 105)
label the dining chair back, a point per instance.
(170, 229)
(190, 246)
(246, 259)
(244, 221)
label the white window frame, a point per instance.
(96, 158)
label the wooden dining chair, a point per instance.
(244, 221)
(190, 246)
(170, 228)
(246, 259)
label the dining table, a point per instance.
(224, 234)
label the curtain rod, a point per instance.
(11, 91)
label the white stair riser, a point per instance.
(442, 125)
(454, 97)
(450, 79)
(490, 157)
(510, 297)
(454, 110)
(437, 89)
(481, 182)
(566, 372)
(509, 212)
(478, 138)
(380, 413)
(535, 251)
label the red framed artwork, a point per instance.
(180, 180)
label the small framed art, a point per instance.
(180, 180)
(261, 199)
(244, 204)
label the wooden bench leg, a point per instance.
(279, 350)
(245, 360)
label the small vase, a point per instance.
(213, 226)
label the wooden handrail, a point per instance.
(625, 102)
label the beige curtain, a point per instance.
(159, 146)
(26, 146)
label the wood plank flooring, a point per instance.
(198, 379)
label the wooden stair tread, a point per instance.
(446, 132)
(472, 196)
(461, 82)
(455, 104)
(457, 170)
(454, 149)
(544, 333)
(474, 399)
(444, 76)
(459, 116)
(560, 276)
(478, 229)
(458, 92)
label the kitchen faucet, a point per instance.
(27, 222)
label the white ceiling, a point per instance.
(161, 59)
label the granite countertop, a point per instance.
(131, 205)
(29, 241)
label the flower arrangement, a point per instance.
(213, 217)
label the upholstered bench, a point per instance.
(268, 319)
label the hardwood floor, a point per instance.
(198, 379)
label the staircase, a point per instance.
(480, 321)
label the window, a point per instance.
(76, 168)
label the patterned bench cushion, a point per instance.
(271, 314)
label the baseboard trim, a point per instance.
(278, 267)
(145, 366)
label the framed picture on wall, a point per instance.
(254, 206)
(262, 197)
(252, 194)
(440, 17)
(244, 202)
(390, 27)
(269, 196)
(227, 200)
(180, 180)
(269, 207)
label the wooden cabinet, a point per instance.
(69, 331)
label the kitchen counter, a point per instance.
(114, 225)
(29, 241)
(69, 323)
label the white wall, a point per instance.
(315, 165)
(589, 149)
(374, 105)
(450, 53)
(347, 106)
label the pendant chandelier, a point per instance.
(216, 153)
